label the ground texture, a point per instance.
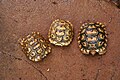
(20, 17)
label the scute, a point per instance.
(92, 38)
(35, 46)
(60, 33)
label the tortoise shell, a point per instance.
(35, 46)
(60, 33)
(92, 38)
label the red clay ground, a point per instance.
(20, 17)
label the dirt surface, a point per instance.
(115, 2)
(20, 17)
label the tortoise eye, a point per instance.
(95, 36)
(35, 46)
(62, 31)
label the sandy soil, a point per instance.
(20, 17)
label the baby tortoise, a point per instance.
(60, 33)
(35, 46)
(92, 38)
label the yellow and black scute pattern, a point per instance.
(92, 38)
(60, 33)
(35, 46)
